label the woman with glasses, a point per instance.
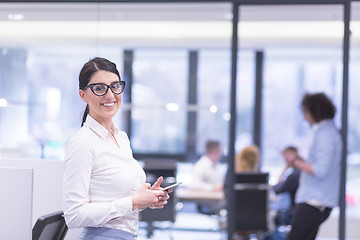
(104, 186)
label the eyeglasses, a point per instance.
(100, 89)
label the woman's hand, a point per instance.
(162, 199)
(150, 196)
(145, 197)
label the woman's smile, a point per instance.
(108, 104)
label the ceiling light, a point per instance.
(228, 16)
(226, 116)
(213, 108)
(172, 107)
(3, 102)
(15, 17)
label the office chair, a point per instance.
(50, 227)
(251, 203)
(155, 168)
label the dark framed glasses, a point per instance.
(100, 89)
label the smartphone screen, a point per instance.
(172, 186)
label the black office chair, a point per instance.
(155, 168)
(251, 203)
(50, 227)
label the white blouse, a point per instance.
(99, 179)
(206, 175)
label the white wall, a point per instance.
(47, 186)
(16, 187)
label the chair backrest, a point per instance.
(50, 227)
(251, 201)
(155, 168)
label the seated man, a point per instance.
(285, 189)
(208, 175)
(287, 186)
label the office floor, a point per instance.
(189, 225)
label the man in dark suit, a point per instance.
(288, 184)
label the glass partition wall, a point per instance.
(302, 49)
(44, 45)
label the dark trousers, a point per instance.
(306, 221)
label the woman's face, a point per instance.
(102, 108)
(307, 116)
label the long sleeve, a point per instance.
(290, 184)
(325, 158)
(325, 148)
(79, 212)
(100, 178)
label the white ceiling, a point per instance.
(172, 11)
(173, 24)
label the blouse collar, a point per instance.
(98, 128)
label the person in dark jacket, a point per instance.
(287, 186)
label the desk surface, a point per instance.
(186, 194)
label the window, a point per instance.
(213, 98)
(159, 101)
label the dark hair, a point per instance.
(212, 145)
(291, 149)
(88, 70)
(319, 106)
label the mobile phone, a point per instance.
(171, 186)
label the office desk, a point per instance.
(190, 195)
(183, 194)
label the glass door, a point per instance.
(302, 53)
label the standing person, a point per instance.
(319, 185)
(104, 186)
